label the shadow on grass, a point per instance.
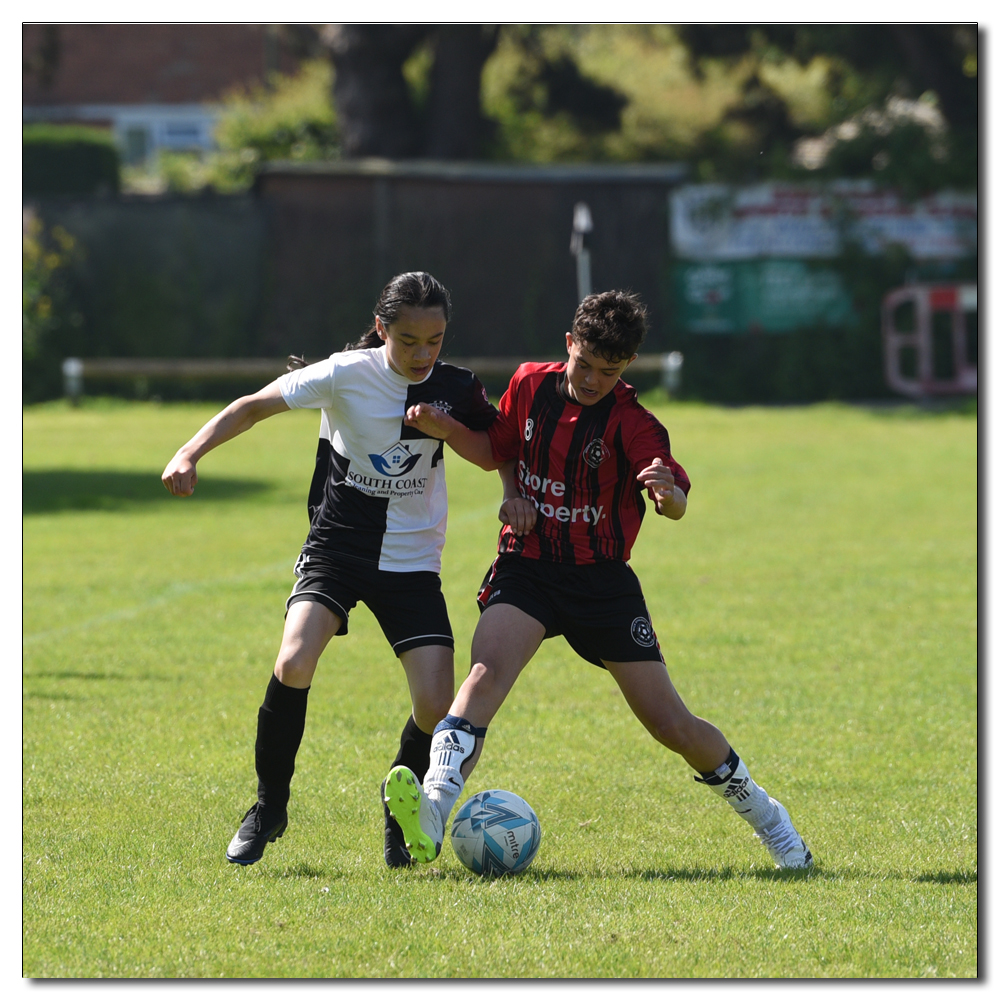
(723, 874)
(52, 696)
(949, 878)
(853, 874)
(818, 871)
(302, 870)
(465, 876)
(51, 491)
(70, 675)
(305, 870)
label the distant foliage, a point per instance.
(48, 314)
(543, 105)
(905, 155)
(291, 118)
(739, 103)
(68, 159)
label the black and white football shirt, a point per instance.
(378, 493)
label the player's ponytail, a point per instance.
(414, 288)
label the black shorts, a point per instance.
(599, 608)
(409, 607)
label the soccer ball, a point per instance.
(496, 833)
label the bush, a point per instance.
(292, 118)
(68, 159)
(48, 316)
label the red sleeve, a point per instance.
(649, 439)
(505, 433)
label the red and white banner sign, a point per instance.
(724, 222)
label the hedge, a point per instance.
(68, 159)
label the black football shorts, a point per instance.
(409, 607)
(599, 608)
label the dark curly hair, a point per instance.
(414, 288)
(611, 324)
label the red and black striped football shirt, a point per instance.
(577, 464)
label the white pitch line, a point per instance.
(172, 593)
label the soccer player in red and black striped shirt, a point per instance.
(578, 456)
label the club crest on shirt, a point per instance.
(595, 453)
(395, 461)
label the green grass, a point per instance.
(818, 603)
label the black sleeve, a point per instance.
(477, 412)
(458, 392)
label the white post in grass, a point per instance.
(582, 224)
(672, 365)
(72, 369)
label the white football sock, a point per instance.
(451, 746)
(746, 797)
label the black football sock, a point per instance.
(414, 749)
(281, 721)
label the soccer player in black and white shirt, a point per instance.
(577, 454)
(377, 508)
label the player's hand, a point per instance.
(519, 513)
(659, 480)
(433, 422)
(180, 476)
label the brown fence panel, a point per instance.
(498, 237)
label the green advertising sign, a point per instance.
(773, 296)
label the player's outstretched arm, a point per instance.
(473, 446)
(181, 475)
(515, 510)
(670, 499)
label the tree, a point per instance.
(380, 115)
(376, 111)
(869, 65)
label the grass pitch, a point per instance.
(818, 603)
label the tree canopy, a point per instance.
(739, 102)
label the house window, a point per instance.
(137, 143)
(182, 135)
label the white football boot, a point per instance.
(417, 816)
(783, 842)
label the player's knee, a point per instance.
(429, 710)
(483, 685)
(295, 667)
(481, 677)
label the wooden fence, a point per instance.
(77, 370)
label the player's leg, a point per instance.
(281, 719)
(505, 640)
(430, 676)
(411, 610)
(654, 700)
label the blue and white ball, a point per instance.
(496, 833)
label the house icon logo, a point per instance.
(395, 461)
